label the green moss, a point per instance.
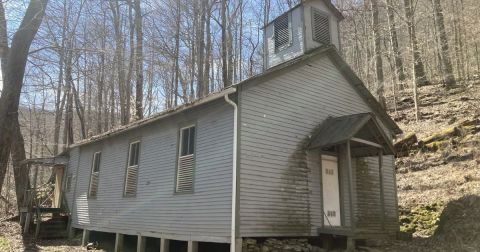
(422, 220)
(4, 244)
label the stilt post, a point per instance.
(141, 243)
(118, 242)
(164, 245)
(192, 246)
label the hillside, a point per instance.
(439, 184)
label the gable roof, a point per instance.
(347, 72)
(328, 50)
(338, 130)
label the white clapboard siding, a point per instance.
(203, 214)
(186, 165)
(280, 194)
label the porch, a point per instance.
(351, 150)
(44, 204)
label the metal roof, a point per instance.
(328, 50)
(338, 130)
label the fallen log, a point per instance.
(439, 136)
(405, 145)
(437, 145)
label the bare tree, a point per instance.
(448, 77)
(14, 68)
(138, 61)
(378, 55)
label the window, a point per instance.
(320, 27)
(282, 33)
(186, 160)
(69, 182)
(132, 169)
(94, 176)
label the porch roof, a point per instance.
(338, 130)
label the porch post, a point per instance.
(380, 174)
(350, 240)
(350, 187)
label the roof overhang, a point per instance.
(165, 114)
(338, 130)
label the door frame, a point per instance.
(340, 184)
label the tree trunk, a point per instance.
(139, 62)
(400, 71)
(119, 61)
(420, 76)
(446, 62)
(378, 55)
(13, 79)
(20, 171)
(200, 38)
(223, 14)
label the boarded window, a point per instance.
(92, 192)
(282, 32)
(132, 169)
(321, 27)
(186, 160)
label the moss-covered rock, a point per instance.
(421, 220)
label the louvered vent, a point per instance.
(93, 184)
(282, 32)
(95, 174)
(321, 27)
(131, 181)
(185, 173)
(131, 175)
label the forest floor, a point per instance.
(438, 189)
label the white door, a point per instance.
(331, 191)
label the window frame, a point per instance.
(290, 33)
(179, 155)
(312, 17)
(92, 171)
(128, 166)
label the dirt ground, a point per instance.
(11, 240)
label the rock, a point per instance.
(92, 245)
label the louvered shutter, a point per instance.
(321, 27)
(186, 160)
(69, 182)
(282, 32)
(94, 184)
(94, 178)
(185, 173)
(131, 181)
(131, 175)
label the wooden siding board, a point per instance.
(156, 208)
(278, 115)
